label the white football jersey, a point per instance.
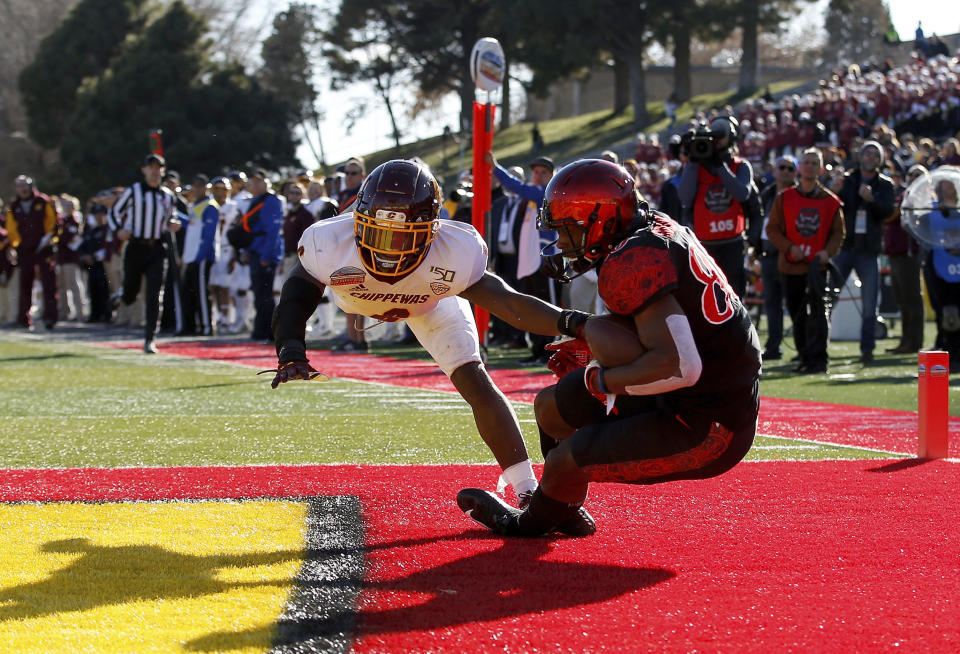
(456, 260)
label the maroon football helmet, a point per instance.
(599, 198)
(396, 217)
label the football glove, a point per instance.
(569, 354)
(292, 370)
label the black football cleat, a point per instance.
(488, 509)
(578, 525)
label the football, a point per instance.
(613, 340)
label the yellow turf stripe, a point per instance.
(134, 577)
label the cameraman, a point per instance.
(715, 186)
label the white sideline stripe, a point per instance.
(831, 444)
(784, 447)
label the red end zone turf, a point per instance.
(821, 556)
(879, 429)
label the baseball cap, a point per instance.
(23, 180)
(788, 158)
(154, 158)
(237, 176)
(171, 175)
(200, 179)
(546, 162)
(261, 173)
(720, 126)
(219, 180)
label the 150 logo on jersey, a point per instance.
(443, 274)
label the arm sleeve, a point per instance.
(13, 232)
(298, 300)
(526, 191)
(275, 230)
(687, 190)
(738, 185)
(837, 233)
(118, 210)
(776, 227)
(211, 218)
(882, 207)
(49, 219)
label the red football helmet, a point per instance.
(396, 217)
(599, 198)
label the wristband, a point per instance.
(601, 383)
(571, 322)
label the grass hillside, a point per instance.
(565, 139)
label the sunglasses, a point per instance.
(790, 168)
(352, 173)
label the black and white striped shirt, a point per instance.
(143, 211)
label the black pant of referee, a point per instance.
(145, 257)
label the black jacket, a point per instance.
(877, 211)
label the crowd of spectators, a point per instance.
(63, 259)
(912, 112)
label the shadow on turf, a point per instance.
(220, 385)
(897, 466)
(511, 580)
(45, 357)
(127, 573)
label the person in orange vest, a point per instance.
(807, 227)
(715, 187)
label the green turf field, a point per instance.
(72, 404)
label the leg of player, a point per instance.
(556, 505)
(553, 428)
(497, 423)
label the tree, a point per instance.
(752, 16)
(212, 119)
(81, 47)
(233, 38)
(626, 30)
(287, 69)
(556, 21)
(682, 22)
(855, 30)
(359, 50)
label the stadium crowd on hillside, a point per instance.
(74, 252)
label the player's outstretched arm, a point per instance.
(298, 300)
(523, 311)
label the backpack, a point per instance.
(240, 235)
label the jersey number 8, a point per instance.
(705, 269)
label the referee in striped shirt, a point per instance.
(142, 216)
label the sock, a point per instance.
(543, 514)
(243, 302)
(520, 476)
(547, 442)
